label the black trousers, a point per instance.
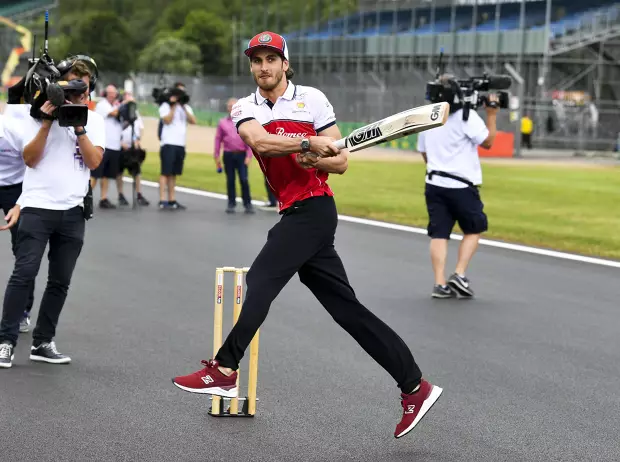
(64, 231)
(8, 198)
(303, 242)
(234, 162)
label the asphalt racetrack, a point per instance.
(530, 368)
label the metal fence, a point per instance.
(364, 99)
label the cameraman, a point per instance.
(12, 170)
(56, 183)
(452, 181)
(175, 117)
(110, 168)
(130, 141)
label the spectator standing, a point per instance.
(237, 158)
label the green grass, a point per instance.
(572, 209)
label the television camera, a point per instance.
(467, 94)
(44, 81)
(162, 95)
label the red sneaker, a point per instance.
(415, 406)
(209, 381)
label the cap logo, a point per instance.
(265, 38)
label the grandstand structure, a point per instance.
(377, 60)
(375, 57)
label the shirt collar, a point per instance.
(289, 94)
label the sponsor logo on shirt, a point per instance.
(280, 131)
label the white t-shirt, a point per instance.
(113, 128)
(175, 132)
(453, 148)
(60, 179)
(12, 167)
(17, 111)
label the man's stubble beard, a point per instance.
(268, 87)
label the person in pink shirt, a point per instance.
(237, 157)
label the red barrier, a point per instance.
(503, 146)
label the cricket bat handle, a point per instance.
(341, 143)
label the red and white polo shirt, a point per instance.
(301, 111)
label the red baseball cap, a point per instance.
(268, 40)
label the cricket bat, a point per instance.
(415, 120)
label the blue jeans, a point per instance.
(235, 162)
(272, 198)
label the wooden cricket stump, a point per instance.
(248, 409)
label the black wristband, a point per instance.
(81, 132)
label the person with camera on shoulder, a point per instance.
(453, 178)
(52, 210)
(175, 115)
(131, 149)
(110, 168)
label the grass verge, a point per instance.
(573, 209)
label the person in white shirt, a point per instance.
(452, 195)
(132, 134)
(110, 168)
(12, 170)
(175, 117)
(51, 212)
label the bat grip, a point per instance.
(341, 143)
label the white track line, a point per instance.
(411, 229)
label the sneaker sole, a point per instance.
(210, 391)
(428, 403)
(461, 289)
(7, 365)
(443, 295)
(43, 359)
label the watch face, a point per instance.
(305, 144)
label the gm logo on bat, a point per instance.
(369, 133)
(435, 112)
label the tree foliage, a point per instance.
(170, 55)
(125, 36)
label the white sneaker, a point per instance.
(7, 355)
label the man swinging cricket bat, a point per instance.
(293, 134)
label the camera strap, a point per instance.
(449, 175)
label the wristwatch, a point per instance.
(81, 132)
(305, 145)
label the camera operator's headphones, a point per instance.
(66, 64)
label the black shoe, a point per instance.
(142, 200)
(122, 200)
(47, 353)
(249, 209)
(7, 354)
(442, 292)
(176, 206)
(461, 285)
(106, 204)
(230, 209)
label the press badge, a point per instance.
(78, 160)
